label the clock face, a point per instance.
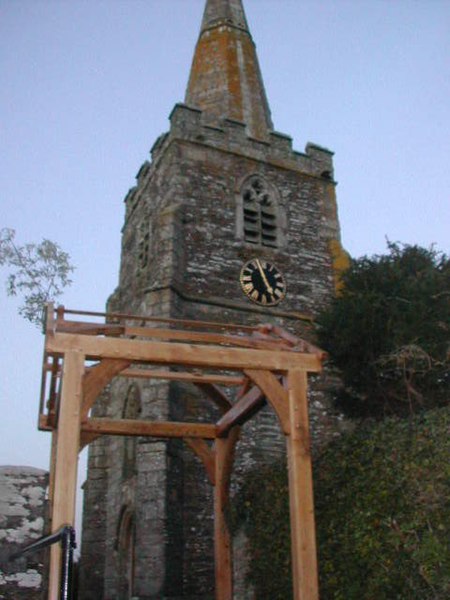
(262, 282)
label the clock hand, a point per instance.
(264, 278)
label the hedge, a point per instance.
(382, 499)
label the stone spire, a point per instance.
(225, 79)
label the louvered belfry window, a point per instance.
(260, 213)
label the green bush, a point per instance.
(382, 515)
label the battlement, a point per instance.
(191, 124)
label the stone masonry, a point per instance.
(22, 517)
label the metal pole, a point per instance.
(68, 544)
(66, 537)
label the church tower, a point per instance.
(223, 194)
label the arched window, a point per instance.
(260, 213)
(131, 410)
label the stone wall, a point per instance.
(22, 520)
(182, 251)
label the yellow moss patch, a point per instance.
(341, 262)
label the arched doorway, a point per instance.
(126, 556)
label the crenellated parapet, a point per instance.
(188, 123)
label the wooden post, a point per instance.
(224, 454)
(51, 479)
(303, 538)
(65, 465)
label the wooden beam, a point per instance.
(170, 429)
(187, 377)
(205, 337)
(269, 329)
(64, 481)
(216, 395)
(97, 378)
(245, 387)
(205, 454)
(182, 354)
(50, 324)
(301, 500)
(48, 404)
(143, 319)
(87, 438)
(51, 479)
(241, 411)
(45, 423)
(224, 455)
(274, 392)
(110, 329)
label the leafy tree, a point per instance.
(388, 332)
(38, 272)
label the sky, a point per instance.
(87, 87)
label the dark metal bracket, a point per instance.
(66, 537)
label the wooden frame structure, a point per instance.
(82, 355)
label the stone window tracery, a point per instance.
(260, 213)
